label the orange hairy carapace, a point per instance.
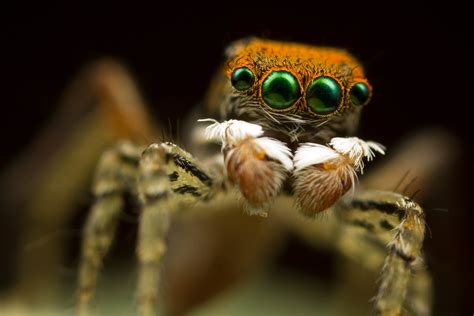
(304, 61)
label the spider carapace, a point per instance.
(292, 90)
(284, 117)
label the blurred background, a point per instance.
(418, 57)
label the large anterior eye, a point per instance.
(360, 94)
(280, 90)
(323, 95)
(242, 78)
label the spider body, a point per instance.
(283, 118)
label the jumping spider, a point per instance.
(278, 121)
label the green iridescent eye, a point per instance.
(280, 90)
(242, 78)
(323, 95)
(360, 94)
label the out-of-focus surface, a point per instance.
(416, 57)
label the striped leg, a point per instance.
(116, 173)
(380, 220)
(373, 219)
(169, 177)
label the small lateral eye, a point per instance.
(280, 90)
(323, 95)
(360, 94)
(242, 78)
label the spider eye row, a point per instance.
(280, 90)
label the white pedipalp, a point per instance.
(231, 132)
(356, 149)
(336, 164)
(374, 146)
(310, 154)
(277, 150)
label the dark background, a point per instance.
(418, 57)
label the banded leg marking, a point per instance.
(398, 223)
(116, 174)
(168, 176)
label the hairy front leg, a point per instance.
(379, 222)
(169, 179)
(115, 175)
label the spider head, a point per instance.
(297, 91)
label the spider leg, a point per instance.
(48, 181)
(394, 223)
(115, 174)
(379, 230)
(369, 247)
(169, 178)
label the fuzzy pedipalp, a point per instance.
(356, 149)
(324, 173)
(232, 131)
(257, 165)
(258, 177)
